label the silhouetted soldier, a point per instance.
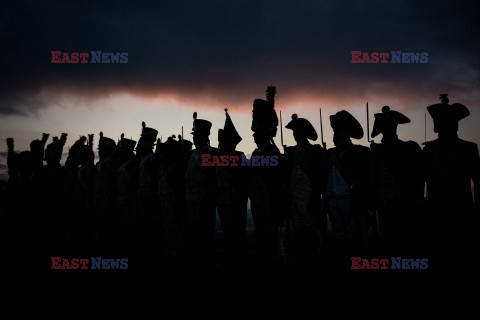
(104, 191)
(451, 164)
(79, 216)
(266, 188)
(148, 211)
(15, 195)
(200, 217)
(126, 186)
(232, 192)
(12, 185)
(187, 149)
(305, 163)
(348, 182)
(171, 193)
(37, 148)
(398, 182)
(52, 180)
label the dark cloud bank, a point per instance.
(227, 50)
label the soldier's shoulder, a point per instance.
(360, 149)
(290, 149)
(129, 165)
(411, 146)
(316, 149)
(374, 147)
(238, 153)
(211, 150)
(430, 145)
(469, 146)
(331, 150)
(271, 150)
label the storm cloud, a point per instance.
(223, 51)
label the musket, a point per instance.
(425, 127)
(368, 125)
(281, 131)
(182, 134)
(323, 214)
(321, 130)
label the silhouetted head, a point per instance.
(446, 117)
(125, 147)
(200, 131)
(264, 116)
(302, 129)
(36, 146)
(147, 140)
(386, 122)
(25, 163)
(345, 126)
(53, 152)
(262, 138)
(106, 147)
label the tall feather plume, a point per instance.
(10, 144)
(90, 140)
(270, 95)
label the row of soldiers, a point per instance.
(154, 195)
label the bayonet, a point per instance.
(281, 130)
(321, 130)
(368, 125)
(425, 127)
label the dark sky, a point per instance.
(226, 50)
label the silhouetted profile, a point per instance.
(51, 185)
(451, 164)
(171, 193)
(232, 191)
(79, 218)
(348, 182)
(148, 210)
(265, 185)
(104, 191)
(199, 222)
(398, 182)
(125, 186)
(305, 163)
(37, 148)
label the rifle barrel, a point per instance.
(321, 128)
(368, 125)
(281, 128)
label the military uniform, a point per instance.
(266, 187)
(200, 202)
(148, 211)
(398, 183)
(305, 163)
(171, 193)
(348, 183)
(104, 191)
(450, 166)
(52, 179)
(232, 192)
(200, 215)
(125, 186)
